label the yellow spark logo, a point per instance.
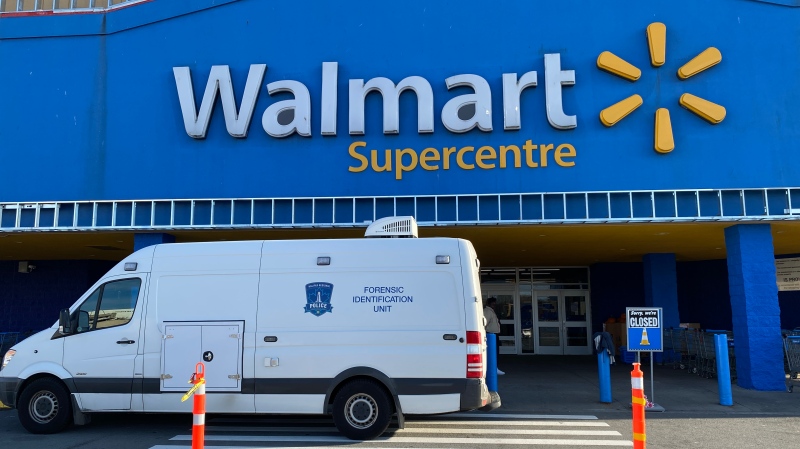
(657, 41)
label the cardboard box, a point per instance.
(618, 334)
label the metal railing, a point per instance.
(62, 6)
(658, 206)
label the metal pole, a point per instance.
(652, 391)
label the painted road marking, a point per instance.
(403, 440)
(442, 432)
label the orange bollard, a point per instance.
(638, 404)
(199, 408)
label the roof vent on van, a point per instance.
(393, 227)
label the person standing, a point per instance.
(493, 324)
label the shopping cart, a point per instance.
(677, 341)
(708, 363)
(791, 348)
(707, 357)
(670, 355)
(692, 339)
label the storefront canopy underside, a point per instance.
(497, 246)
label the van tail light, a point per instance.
(474, 355)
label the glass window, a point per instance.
(556, 278)
(506, 276)
(548, 308)
(575, 308)
(83, 319)
(119, 300)
(549, 336)
(577, 336)
(111, 305)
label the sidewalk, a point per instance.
(569, 385)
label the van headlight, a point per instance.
(7, 358)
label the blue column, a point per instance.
(144, 240)
(754, 306)
(661, 286)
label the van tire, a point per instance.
(44, 406)
(361, 410)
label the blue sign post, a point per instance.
(645, 334)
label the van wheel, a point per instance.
(361, 410)
(44, 406)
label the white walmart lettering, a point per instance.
(237, 119)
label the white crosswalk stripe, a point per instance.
(474, 431)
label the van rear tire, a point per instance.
(362, 410)
(44, 406)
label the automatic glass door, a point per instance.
(561, 322)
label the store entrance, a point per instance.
(541, 310)
(506, 305)
(561, 323)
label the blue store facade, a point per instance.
(599, 155)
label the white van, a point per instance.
(358, 328)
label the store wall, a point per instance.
(790, 309)
(31, 301)
(94, 108)
(614, 286)
(703, 295)
(702, 292)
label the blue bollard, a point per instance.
(723, 369)
(491, 361)
(604, 371)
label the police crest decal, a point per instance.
(318, 296)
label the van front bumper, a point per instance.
(8, 390)
(477, 396)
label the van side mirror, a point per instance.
(64, 322)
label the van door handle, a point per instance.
(449, 336)
(126, 342)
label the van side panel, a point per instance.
(470, 271)
(201, 283)
(431, 403)
(367, 300)
(381, 304)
